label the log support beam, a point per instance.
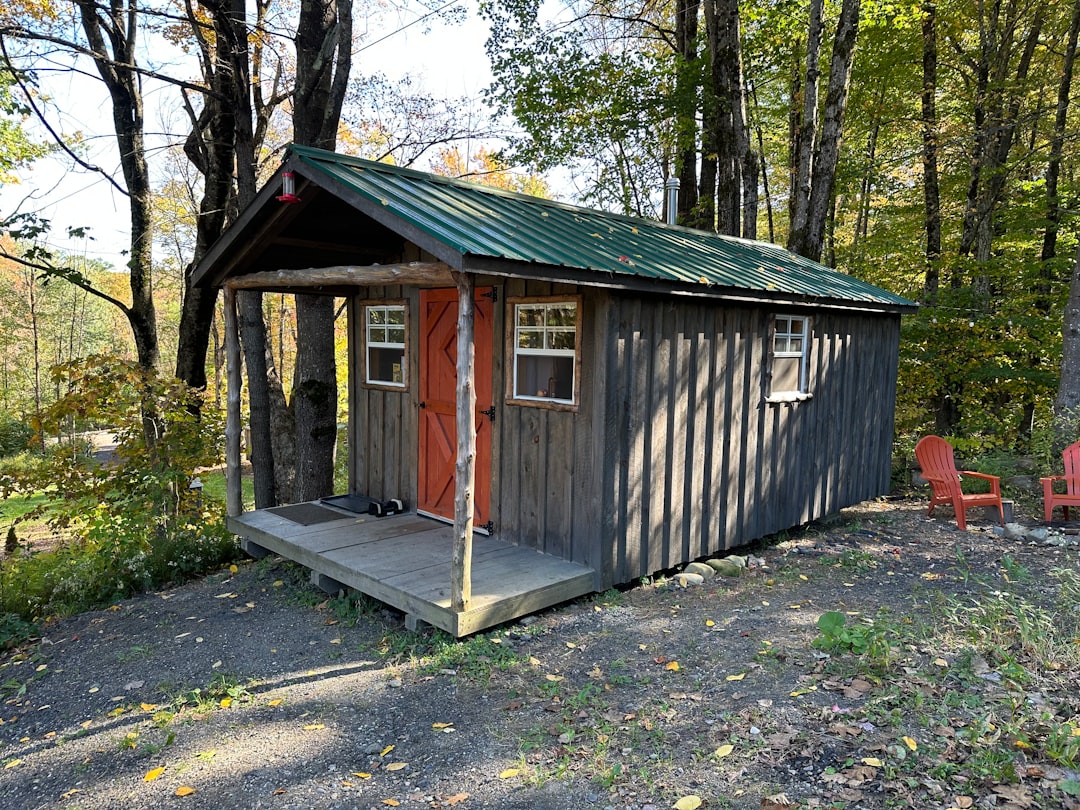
(465, 468)
(233, 492)
(432, 274)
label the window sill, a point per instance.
(788, 397)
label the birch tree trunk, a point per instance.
(465, 466)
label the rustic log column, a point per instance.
(465, 468)
(233, 492)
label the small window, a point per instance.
(790, 350)
(545, 343)
(384, 344)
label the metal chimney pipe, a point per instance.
(671, 189)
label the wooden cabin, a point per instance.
(645, 394)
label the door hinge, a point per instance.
(493, 294)
(488, 527)
(489, 413)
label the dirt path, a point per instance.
(250, 692)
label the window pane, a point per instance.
(376, 315)
(798, 326)
(386, 366)
(395, 315)
(396, 334)
(561, 339)
(377, 334)
(530, 339)
(540, 377)
(562, 315)
(781, 344)
(795, 344)
(530, 316)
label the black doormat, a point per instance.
(306, 514)
(361, 504)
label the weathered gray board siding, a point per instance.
(693, 468)
(672, 453)
(383, 424)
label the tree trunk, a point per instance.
(314, 400)
(686, 25)
(1057, 142)
(114, 62)
(1067, 402)
(806, 133)
(323, 61)
(723, 88)
(931, 193)
(253, 338)
(827, 154)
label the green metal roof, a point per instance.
(480, 221)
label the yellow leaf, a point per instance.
(67, 794)
(873, 762)
(673, 666)
(386, 751)
(571, 645)
(278, 583)
(724, 750)
(274, 702)
(397, 766)
(441, 725)
(391, 802)
(13, 763)
(804, 577)
(119, 710)
(554, 678)
(794, 607)
(806, 690)
(360, 775)
(226, 702)
(1076, 732)
(148, 707)
(710, 623)
(940, 662)
(1021, 744)
(688, 803)
(233, 569)
(184, 790)
(738, 677)
(534, 661)
(42, 668)
(313, 726)
(154, 774)
(910, 743)
(509, 773)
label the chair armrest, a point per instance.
(995, 481)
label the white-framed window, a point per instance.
(385, 327)
(790, 355)
(544, 348)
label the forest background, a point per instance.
(928, 147)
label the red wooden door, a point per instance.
(438, 397)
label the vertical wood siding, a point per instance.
(697, 462)
(382, 423)
(672, 452)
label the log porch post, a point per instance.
(233, 493)
(465, 467)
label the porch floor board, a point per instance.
(405, 560)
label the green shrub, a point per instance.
(15, 435)
(136, 524)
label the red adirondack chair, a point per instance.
(935, 456)
(1071, 495)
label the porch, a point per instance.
(406, 561)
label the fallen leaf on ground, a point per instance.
(154, 774)
(360, 774)
(724, 750)
(386, 751)
(441, 725)
(184, 790)
(873, 762)
(738, 677)
(225, 702)
(391, 802)
(509, 773)
(910, 743)
(274, 702)
(397, 766)
(688, 803)
(314, 726)
(673, 666)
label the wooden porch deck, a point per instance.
(404, 560)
